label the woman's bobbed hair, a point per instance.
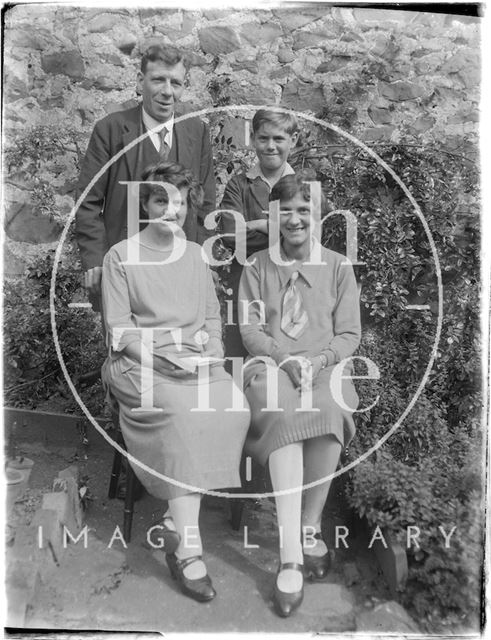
(289, 186)
(174, 174)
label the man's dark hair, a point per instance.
(163, 53)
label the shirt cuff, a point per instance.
(331, 357)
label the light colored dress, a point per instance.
(198, 448)
(330, 297)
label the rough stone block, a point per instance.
(21, 221)
(401, 90)
(294, 19)
(126, 43)
(246, 65)
(393, 562)
(37, 40)
(388, 617)
(285, 55)
(68, 63)
(258, 34)
(218, 40)
(195, 60)
(103, 22)
(235, 128)
(112, 58)
(14, 88)
(308, 40)
(379, 115)
(460, 60)
(303, 95)
(333, 64)
(74, 513)
(282, 74)
(70, 472)
(422, 124)
(427, 63)
(385, 47)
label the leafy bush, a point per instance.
(442, 489)
(32, 370)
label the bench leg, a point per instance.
(115, 473)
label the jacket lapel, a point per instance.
(183, 142)
(132, 129)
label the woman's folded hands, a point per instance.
(213, 348)
(302, 371)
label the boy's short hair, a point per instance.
(174, 174)
(280, 118)
(163, 53)
(289, 186)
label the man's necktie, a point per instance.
(294, 318)
(164, 147)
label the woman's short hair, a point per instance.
(174, 174)
(163, 53)
(279, 118)
(289, 186)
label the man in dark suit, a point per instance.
(101, 219)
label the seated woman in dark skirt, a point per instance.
(311, 312)
(156, 280)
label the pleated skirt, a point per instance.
(273, 429)
(191, 449)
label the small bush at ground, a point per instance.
(32, 370)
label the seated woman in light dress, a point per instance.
(311, 312)
(156, 280)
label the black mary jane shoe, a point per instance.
(286, 603)
(164, 537)
(317, 567)
(199, 589)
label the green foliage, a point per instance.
(442, 489)
(45, 158)
(32, 370)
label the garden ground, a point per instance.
(113, 588)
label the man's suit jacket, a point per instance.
(101, 219)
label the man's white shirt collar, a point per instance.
(154, 127)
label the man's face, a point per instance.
(273, 145)
(161, 87)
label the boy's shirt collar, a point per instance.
(255, 172)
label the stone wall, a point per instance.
(66, 67)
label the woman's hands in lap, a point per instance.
(168, 369)
(294, 370)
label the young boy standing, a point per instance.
(274, 135)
